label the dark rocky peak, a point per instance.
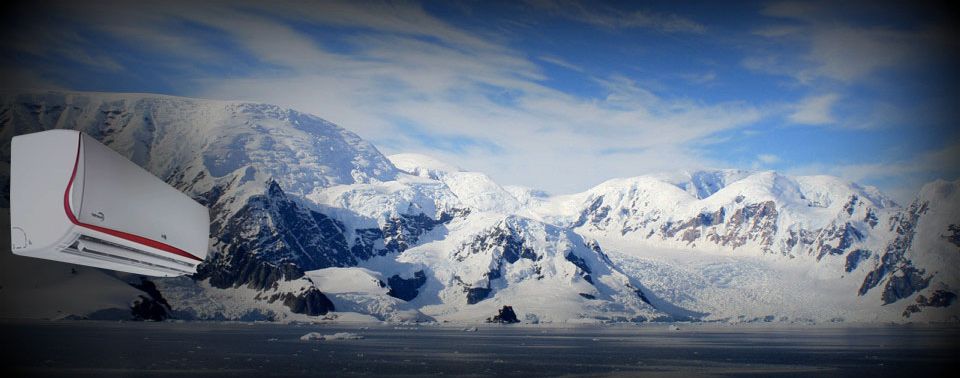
(581, 265)
(504, 238)
(505, 315)
(399, 233)
(273, 189)
(274, 237)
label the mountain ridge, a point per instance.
(294, 198)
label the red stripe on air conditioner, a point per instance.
(120, 234)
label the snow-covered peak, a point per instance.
(704, 183)
(473, 189)
(760, 187)
(830, 191)
(645, 186)
(422, 165)
(526, 195)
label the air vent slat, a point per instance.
(95, 248)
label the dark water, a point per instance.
(76, 348)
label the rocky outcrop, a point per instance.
(274, 238)
(309, 302)
(953, 235)
(504, 239)
(406, 288)
(939, 298)
(581, 265)
(152, 306)
(505, 315)
(836, 240)
(754, 222)
(854, 258)
(399, 233)
(902, 278)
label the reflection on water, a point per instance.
(78, 348)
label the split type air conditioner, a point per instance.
(73, 199)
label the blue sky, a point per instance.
(558, 95)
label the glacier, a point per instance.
(312, 223)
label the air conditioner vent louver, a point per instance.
(91, 247)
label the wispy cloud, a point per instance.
(701, 78)
(768, 158)
(607, 17)
(814, 110)
(561, 63)
(838, 49)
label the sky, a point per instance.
(550, 94)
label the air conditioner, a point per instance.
(73, 199)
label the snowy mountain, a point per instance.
(310, 221)
(762, 211)
(232, 157)
(821, 222)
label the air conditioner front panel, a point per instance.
(66, 186)
(119, 195)
(40, 168)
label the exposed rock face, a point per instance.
(503, 238)
(843, 236)
(581, 264)
(939, 298)
(310, 302)
(398, 233)
(505, 315)
(854, 258)
(954, 235)
(904, 278)
(477, 294)
(403, 231)
(151, 307)
(505, 245)
(274, 238)
(406, 288)
(754, 222)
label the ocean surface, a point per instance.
(135, 349)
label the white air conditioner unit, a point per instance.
(73, 199)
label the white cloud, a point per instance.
(848, 53)
(561, 63)
(701, 78)
(778, 31)
(837, 49)
(768, 158)
(814, 110)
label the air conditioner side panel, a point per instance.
(41, 165)
(121, 196)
